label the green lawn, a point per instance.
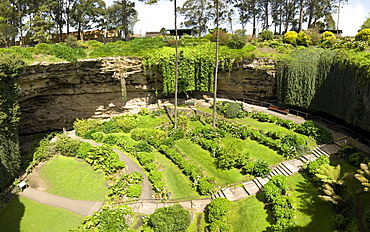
(22, 214)
(313, 214)
(176, 182)
(249, 215)
(205, 161)
(64, 176)
(256, 150)
(266, 126)
(199, 224)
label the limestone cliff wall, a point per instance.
(53, 95)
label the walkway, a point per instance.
(147, 205)
(84, 208)
(131, 166)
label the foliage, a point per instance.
(277, 192)
(43, 149)
(206, 185)
(315, 131)
(237, 41)
(82, 126)
(314, 35)
(217, 213)
(108, 219)
(303, 39)
(312, 166)
(68, 53)
(265, 35)
(42, 48)
(168, 219)
(71, 41)
(134, 191)
(331, 81)
(229, 109)
(290, 37)
(327, 36)
(67, 146)
(363, 35)
(105, 159)
(363, 175)
(127, 185)
(10, 67)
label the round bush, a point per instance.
(363, 35)
(42, 48)
(327, 36)
(290, 37)
(303, 39)
(134, 191)
(168, 219)
(265, 35)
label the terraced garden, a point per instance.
(189, 162)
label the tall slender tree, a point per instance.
(121, 16)
(197, 14)
(85, 13)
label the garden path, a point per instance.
(131, 166)
(84, 208)
(147, 205)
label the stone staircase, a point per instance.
(286, 168)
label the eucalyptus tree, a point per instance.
(366, 24)
(249, 11)
(57, 12)
(197, 14)
(85, 13)
(39, 27)
(121, 16)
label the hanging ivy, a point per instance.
(10, 66)
(332, 81)
(196, 66)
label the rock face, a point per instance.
(53, 95)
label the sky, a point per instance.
(153, 17)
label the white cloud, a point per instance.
(351, 19)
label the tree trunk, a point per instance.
(124, 20)
(300, 15)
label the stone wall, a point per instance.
(53, 95)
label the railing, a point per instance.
(331, 125)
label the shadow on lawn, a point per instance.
(311, 205)
(11, 216)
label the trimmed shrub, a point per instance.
(67, 146)
(206, 185)
(303, 39)
(290, 37)
(145, 158)
(134, 191)
(363, 35)
(237, 41)
(83, 149)
(168, 219)
(265, 35)
(71, 41)
(42, 48)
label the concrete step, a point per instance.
(303, 159)
(251, 188)
(282, 170)
(287, 167)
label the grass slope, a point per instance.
(249, 215)
(64, 176)
(205, 162)
(313, 214)
(256, 150)
(22, 214)
(176, 182)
